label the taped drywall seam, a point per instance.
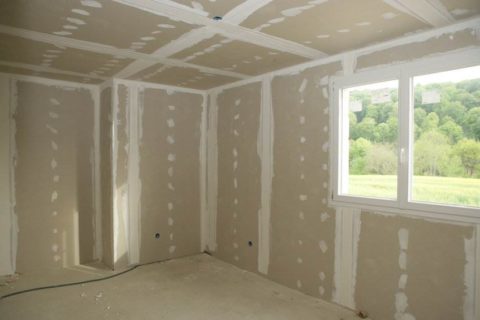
(349, 64)
(469, 278)
(417, 37)
(204, 222)
(158, 86)
(134, 182)
(116, 222)
(476, 296)
(265, 147)
(401, 299)
(13, 164)
(347, 235)
(98, 249)
(212, 171)
(48, 82)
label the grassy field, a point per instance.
(457, 191)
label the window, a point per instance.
(407, 138)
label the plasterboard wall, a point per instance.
(306, 242)
(51, 168)
(157, 168)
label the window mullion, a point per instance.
(404, 139)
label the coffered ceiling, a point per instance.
(200, 44)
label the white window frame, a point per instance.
(404, 73)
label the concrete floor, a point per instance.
(193, 288)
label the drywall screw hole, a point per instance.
(250, 243)
(217, 18)
(157, 235)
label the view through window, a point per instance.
(446, 152)
(373, 139)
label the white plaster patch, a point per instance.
(291, 12)
(237, 102)
(321, 290)
(402, 282)
(324, 216)
(170, 186)
(75, 21)
(170, 206)
(54, 196)
(53, 164)
(81, 12)
(236, 258)
(56, 258)
(56, 178)
(303, 197)
(170, 139)
(55, 247)
(171, 123)
(325, 92)
(302, 119)
(62, 33)
(299, 284)
(166, 26)
(323, 246)
(171, 108)
(302, 158)
(91, 3)
(325, 147)
(55, 213)
(235, 152)
(147, 38)
(235, 132)
(343, 30)
(54, 145)
(170, 221)
(171, 157)
(236, 117)
(323, 36)
(54, 230)
(235, 245)
(301, 215)
(170, 171)
(303, 139)
(53, 115)
(299, 260)
(363, 24)
(322, 276)
(172, 249)
(235, 165)
(303, 85)
(389, 15)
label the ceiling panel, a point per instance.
(461, 9)
(226, 54)
(20, 50)
(105, 22)
(333, 26)
(213, 8)
(183, 77)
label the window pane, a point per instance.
(446, 158)
(372, 112)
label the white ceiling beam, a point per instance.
(431, 12)
(165, 8)
(36, 68)
(241, 12)
(105, 49)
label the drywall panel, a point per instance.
(417, 50)
(120, 174)
(169, 169)
(222, 53)
(357, 24)
(302, 225)
(54, 175)
(106, 22)
(462, 9)
(239, 174)
(6, 218)
(214, 8)
(106, 191)
(411, 269)
(49, 75)
(21, 50)
(182, 77)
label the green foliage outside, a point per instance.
(446, 139)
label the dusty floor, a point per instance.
(197, 287)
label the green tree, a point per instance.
(381, 159)
(431, 153)
(364, 129)
(469, 152)
(452, 130)
(358, 151)
(431, 122)
(472, 123)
